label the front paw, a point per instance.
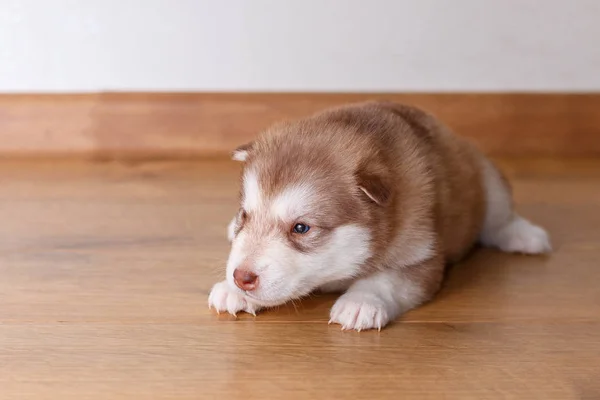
(222, 298)
(360, 311)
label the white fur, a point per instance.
(252, 192)
(231, 229)
(372, 302)
(499, 209)
(285, 274)
(222, 298)
(293, 202)
(502, 227)
(240, 155)
(520, 236)
(237, 256)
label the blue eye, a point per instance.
(300, 228)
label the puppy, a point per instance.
(371, 200)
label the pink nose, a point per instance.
(245, 279)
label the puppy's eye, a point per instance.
(300, 228)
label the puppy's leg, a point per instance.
(335, 287)
(503, 228)
(373, 301)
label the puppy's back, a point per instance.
(457, 167)
(432, 166)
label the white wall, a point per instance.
(301, 45)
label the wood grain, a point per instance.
(106, 269)
(153, 125)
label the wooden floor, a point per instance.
(105, 270)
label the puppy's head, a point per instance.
(304, 217)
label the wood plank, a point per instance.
(176, 213)
(156, 125)
(106, 269)
(208, 361)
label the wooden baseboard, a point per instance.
(121, 125)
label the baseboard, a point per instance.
(120, 125)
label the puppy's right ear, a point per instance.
(242, 152)
(374, 180)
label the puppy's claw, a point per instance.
(226, 300)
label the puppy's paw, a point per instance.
(360, 311)
(521, 236)
(222, 298)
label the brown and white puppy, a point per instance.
(370, 199)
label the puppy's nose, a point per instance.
(245, 279)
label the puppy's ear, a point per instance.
(374, 179)
(242, 152)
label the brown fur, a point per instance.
(392, 168)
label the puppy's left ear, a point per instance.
(374, 179)
(242, 152)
